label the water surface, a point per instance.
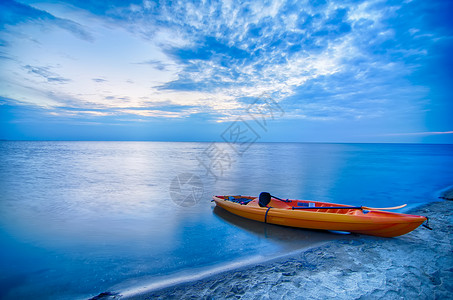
(77, 218)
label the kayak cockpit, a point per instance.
(238, 199)
(314, 206)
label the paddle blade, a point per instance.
(384, 208)
(264, 199)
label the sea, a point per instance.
(81, 218)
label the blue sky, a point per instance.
(342, 71)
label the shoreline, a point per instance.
(415, 265)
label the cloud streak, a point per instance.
(14, 13)
(419, 133)
(46, 74)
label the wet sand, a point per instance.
(418, 265)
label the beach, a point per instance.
(418, 265)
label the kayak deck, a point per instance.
(312, 215)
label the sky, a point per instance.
(333, 71)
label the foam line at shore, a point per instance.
(167, 281)
(193, 275)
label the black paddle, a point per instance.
(265, 198)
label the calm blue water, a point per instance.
(78, 218)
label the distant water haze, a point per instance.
(77, 218)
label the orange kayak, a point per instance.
(320, 215)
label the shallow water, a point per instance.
(77, 218)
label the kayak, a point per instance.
(320, 215)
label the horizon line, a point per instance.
(222, 142)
